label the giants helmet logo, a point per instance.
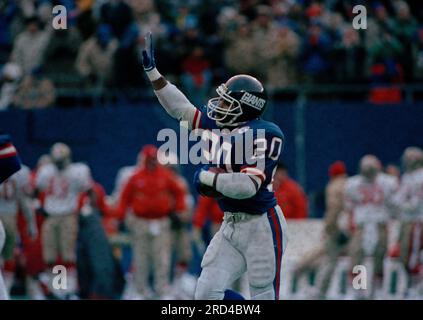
(253, 101)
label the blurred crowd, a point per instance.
(199, 43)
(145, 240)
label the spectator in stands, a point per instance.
(386, 49)
(314, 10)
(119, 15)
(35, 92)
(315, 53)
(283, 51)
(404, 28)
(377, 22)
(44, 12)
(240, 49)
(185, 19)
(30, 45)
(153, 193)
(61, 52)
(282, 16)
(94, 61)
(418, 56)
(335, 26)
(386, 69)
(9, 77)
(349, 54)
(7, 12)
(264, 31)
(321, 28)
(291, 197)
(196, 75)
(147, 18)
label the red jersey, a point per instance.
(207, 209)
(100, 199)
(153, 194)
(109, 220)
(292, 199)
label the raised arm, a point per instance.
(170, 97)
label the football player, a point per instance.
(15, 196)
(369, 200)
(9, 164)
(409, 200)
(253, 234)
(62, 183)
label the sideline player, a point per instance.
(253, 234)
(369, 199)
(409, 201)
(14, 197)
(9, 164)
(62, 181)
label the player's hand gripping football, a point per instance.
(204, 189)
(147, 54)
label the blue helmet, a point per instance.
(240, 99)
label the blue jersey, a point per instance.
(253, 148)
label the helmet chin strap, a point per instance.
(230, 123)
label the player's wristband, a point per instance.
(207, 178)
(153, 74)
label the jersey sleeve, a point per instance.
(122, 178)
(392, 186)
(43, 177)
(177, 105)
(202, 121)
(125, 198)
(23, 179)
(82, 175)
(350, 195)
(9, 159)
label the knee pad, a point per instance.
(212, 284)
(261, 273)
(265, 293)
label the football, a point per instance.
(210, 191)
